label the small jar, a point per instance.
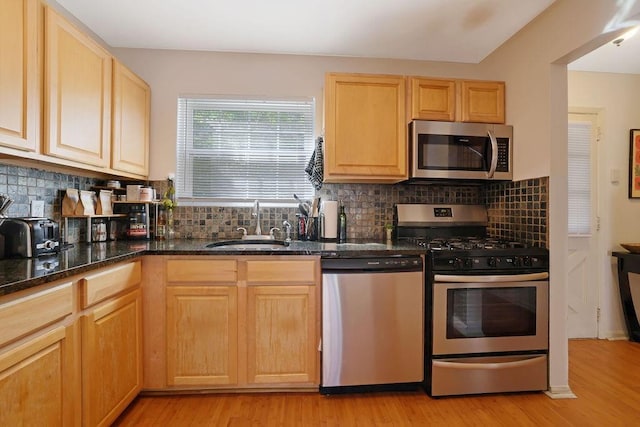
(113, 229)
(137, 226)
(99, 231)
(146, 194)
(161, 230)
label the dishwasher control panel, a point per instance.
(390, 263)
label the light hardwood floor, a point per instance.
(605, 375)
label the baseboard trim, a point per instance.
(622, 336)
(563, 392)
(613, 335)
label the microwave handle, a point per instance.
(494, 154)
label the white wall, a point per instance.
(616, 96)
(174, 73)
(533, 64)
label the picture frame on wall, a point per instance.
(634, 164)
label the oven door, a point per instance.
(487, 314)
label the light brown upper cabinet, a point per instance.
(456, 100)
(131, 109)
(481, 102)
(432, 99)
(365, 128)
(77, 94)
(19, 74)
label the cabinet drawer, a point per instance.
(108, 282)
(24, 315)
(297, 271)
(206, 270)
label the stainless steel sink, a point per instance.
(248, 244)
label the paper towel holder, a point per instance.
(329, 221)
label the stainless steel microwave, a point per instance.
(451, 150)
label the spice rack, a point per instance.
(89, 218)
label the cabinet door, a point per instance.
(281, 325)
(19, 74)
(36, 385)
(433, 99)
(77, 94)
(130, 137)
(111, 358)
(365, 128)
(482, 102)
(202, 335)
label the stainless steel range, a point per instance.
(488, 301)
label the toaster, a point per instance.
(30, 237)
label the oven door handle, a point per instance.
(495, 365)
(453, 278)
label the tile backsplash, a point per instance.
(24, 184)
(520, 211)
(517, 210)
(368, 207)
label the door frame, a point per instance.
(595, 236)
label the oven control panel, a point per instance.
(441, 212)
(451, 262)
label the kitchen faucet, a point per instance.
(256, 213)
(287, 228)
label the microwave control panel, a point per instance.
(503, 155)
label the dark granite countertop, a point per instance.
(24, 273)
(621, 254)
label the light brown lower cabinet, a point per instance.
(281, 338)
(71, 350)
(238, 322)
(39, 382)
(36, 381)
(202, 335)
(111, 341)
(111, 358)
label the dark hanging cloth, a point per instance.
(315, 167)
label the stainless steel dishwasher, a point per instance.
(372, 323)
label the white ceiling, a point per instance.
(437, 30)
(611, 58)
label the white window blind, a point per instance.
(236, 150)
(579, 167)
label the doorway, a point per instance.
(583, 224)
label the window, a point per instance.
(239, 150)
(581, 135)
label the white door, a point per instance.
(582, 321)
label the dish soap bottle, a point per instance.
(342, 225)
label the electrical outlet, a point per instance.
(37, 208)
